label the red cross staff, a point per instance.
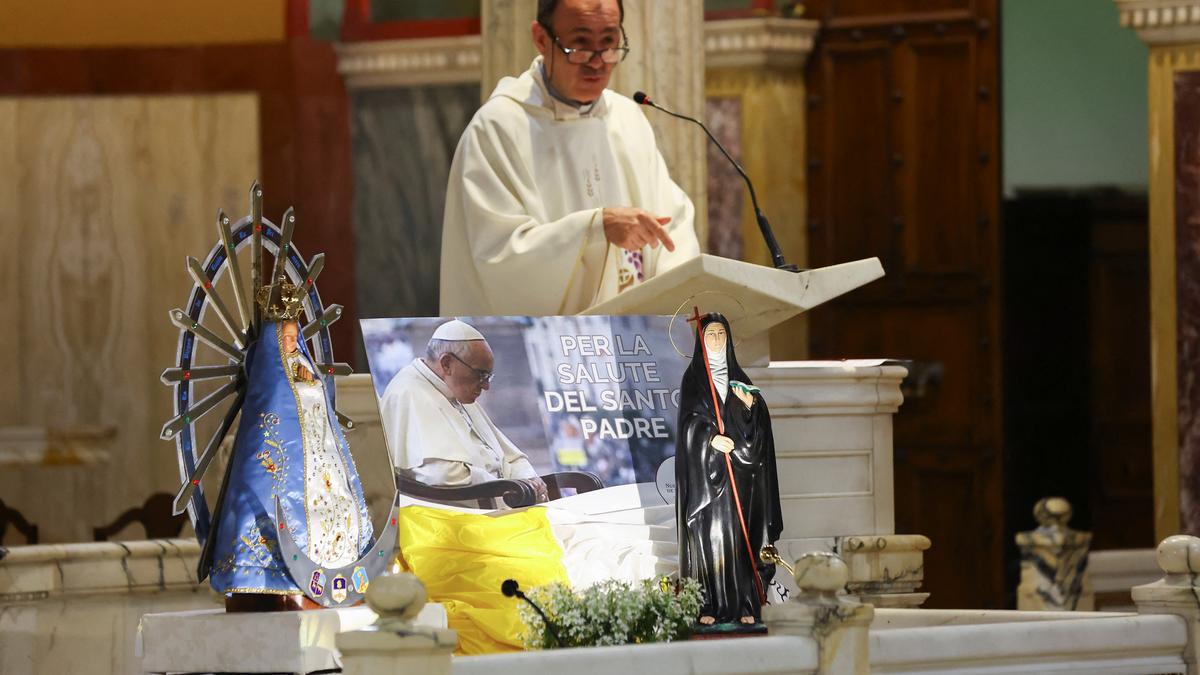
(737, 501)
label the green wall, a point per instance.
(1074, 93)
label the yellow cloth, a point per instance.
(462, 558)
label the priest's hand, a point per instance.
(722, 443)
(632, 228)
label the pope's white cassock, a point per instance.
(440, 441)
(523, 231)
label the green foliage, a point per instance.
(612, 613)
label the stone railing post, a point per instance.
(1178, 592)
(394, 644)
(886, 569)
(1054, 561)
(838, 624)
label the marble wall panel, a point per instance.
(1187, 280)
(100, 200)
(304, 137)
(403, 140)
(725, 189)
(770, 134)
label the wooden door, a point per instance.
(903, 143)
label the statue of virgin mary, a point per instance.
(288, 446)
(727, 494)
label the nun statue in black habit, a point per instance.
(727, 495)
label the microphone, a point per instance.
(764, 226)
(510, 589)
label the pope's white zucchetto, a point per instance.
(457, 331)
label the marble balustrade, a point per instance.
(1125, 644)
(750, 656)
(75, 608)
(1116, 644)
(1112, 575)
(821, 631)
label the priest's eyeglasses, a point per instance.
(483, 375)
(579, 57)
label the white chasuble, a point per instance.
(523, 231)
(440, 441)
(329, 500)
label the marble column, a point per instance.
(409, 102)
(666, 61)
(507, 41)
(1171, 28)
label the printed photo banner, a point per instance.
(579, 395)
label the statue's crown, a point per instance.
(285, 305)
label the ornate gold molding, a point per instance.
(770, 41)
(1162, 22)
(402, 63)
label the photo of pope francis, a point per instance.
(436, 430)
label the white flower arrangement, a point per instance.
(611, 613)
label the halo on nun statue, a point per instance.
(219, 373)
(723, 307)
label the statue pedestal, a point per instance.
(212, 641)
(832, 423)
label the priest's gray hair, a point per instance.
(547, 7)
(435, 349)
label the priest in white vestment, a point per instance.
(558, 197)
(436, 431)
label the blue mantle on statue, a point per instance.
(288, 445)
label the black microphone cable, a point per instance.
(511, 589)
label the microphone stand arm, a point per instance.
(764, 226)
